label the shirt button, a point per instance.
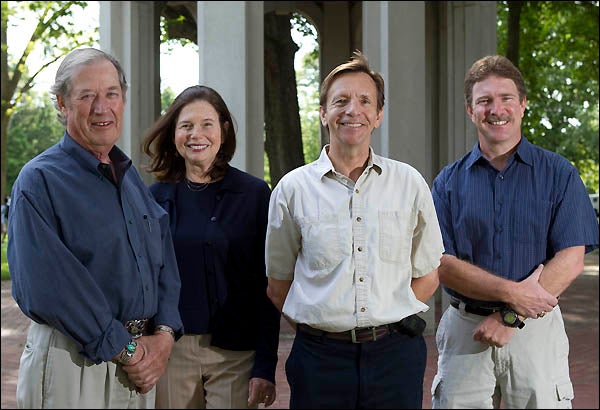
(362, 309)
(213, 218)
(356, 190)
(358, 219)
(498, 256)
(360, 248)
(361, 279)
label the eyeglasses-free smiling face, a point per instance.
(94, 108)
(351, 112)
(496, 111)
(198, 137)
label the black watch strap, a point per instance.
(511, 318)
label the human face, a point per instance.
(94, 108)
(198, 136)
(497, 111)
(351, 112)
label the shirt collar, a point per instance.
(120, 160)
(323, 164)
(524, 153)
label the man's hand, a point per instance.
(531, 298)
(146, 372)
(492, 331)
(261, 391)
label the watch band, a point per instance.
(511, 318)
(165, 328)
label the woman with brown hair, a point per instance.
(218, 217)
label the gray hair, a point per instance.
(73, 60)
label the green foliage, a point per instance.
(307, 80)
(32, 129)
(166, 98)
(559, 61)
(5, 274)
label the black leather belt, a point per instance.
(356, 335)
(137, 327)
(477, 310)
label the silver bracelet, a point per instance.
(165, 328)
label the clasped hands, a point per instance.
(530, 299)
(145, 370)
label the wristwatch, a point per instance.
(128, 352)
(165, 328)
(511, 318)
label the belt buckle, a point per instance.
(373, 335)
(135, 327)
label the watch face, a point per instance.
(510, 317)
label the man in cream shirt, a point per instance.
(353, 245)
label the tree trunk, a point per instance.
(513, 31)
(283, 142)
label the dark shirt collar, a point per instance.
(121, 162)
(523, 153)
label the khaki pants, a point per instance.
(201, 376)
(531, 371)
(52, 374)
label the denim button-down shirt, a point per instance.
(508, 222)
(86, 254)
(352, 249)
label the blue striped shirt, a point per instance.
(508, 222)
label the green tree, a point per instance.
(557, 52)
(33, 128)
(166, 98)
(54, 34)
(307, 78)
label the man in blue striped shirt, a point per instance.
(516, 222)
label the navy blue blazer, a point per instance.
(239, 314)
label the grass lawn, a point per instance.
(5, 274)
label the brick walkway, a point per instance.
(579, 306)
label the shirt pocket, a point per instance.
(321, 241)
(395, 235)
(530, 221)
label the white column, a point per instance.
(394, 42)
(130, 31)
(471, 34)
(231, 52)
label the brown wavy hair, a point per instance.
(159, 143)
(357, 64)
(493, 65)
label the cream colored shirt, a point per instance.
(351, 249)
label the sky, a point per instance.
(174, 74)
